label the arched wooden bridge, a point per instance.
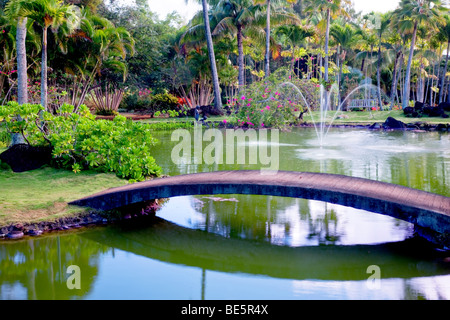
(421, 208)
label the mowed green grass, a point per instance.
(340, 117)
(43, 194)
(369, 117)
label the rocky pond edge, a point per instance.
(135, 212)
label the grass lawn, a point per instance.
(43, 194)
(369, 117)
(342, 117)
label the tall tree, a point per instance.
(212, 58)
(49, 14)
(295, 35)
(330, 7)
(444, 32)
(268, 14)
(233, 17)
(13, 12)
(99, 46)
(382, 23)
(345, 37)
(415, 12)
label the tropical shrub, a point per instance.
(5, 137)
(273, 102)
(163, 101)
(145, 101)
(80, 142)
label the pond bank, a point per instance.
(91, 218)
(387, 125)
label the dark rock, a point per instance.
(445, 106)
(23, 157)
(375, 126)
(413, 126)
(433, 111)
(34, 232)
(392, 123)
(408, 111)
(418, 106)
(15, 234)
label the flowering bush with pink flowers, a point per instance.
(273, 102)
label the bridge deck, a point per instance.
(416, 206)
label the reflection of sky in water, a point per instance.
(353, 226)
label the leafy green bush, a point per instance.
(164, 101)
(5, 136)
(145, 100)
(80, 142)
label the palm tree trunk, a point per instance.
(241, 57)
(338, 64)
(379, 75)
(44, 70)
(327, 40)
(448, 92)
(395, 79)
(441, 87)
(267, 57)
(212, 58)
(22, 90)
(291, 68)
(406, 88)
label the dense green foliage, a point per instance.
(80, 142)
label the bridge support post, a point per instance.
(442, 240)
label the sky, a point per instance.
(163, 7)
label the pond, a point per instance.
(255, 247)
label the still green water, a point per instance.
(255, 247)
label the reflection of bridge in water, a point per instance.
(423, 209)
(165, 241)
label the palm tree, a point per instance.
(415, 12)
(383, 24)
(295, 35)
(345, 37)
(268, 13)
(103, 46)
(212, 58)
(444, 32)
(12, 11)
(49, 14)
(233, 17)
(330, 7)
(397, 47)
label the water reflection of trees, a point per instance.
(267, 218)
(40, 266)
(425, 171)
